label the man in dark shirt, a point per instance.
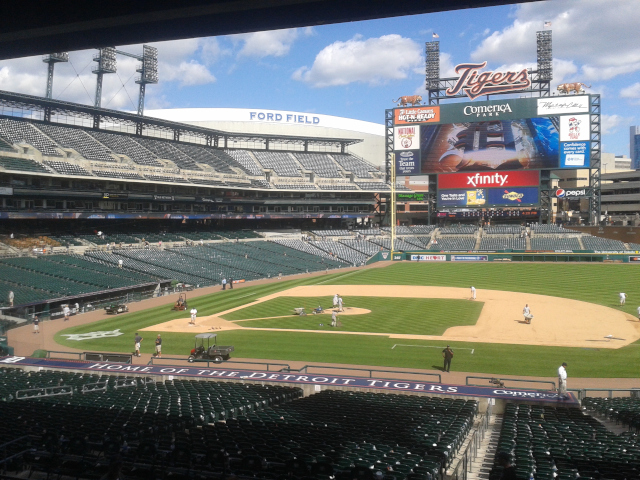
(138, 339)
(508, 470)
(158, 346)
(447, 353)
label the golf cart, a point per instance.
(116, 308)
(181, 303)
(216, 353)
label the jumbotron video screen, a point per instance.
(501, 135)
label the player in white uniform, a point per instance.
(638, 313)
(526, 311)
(193, 312)
(340, 304)
(335, 301)
(623, 298)
(473, 293)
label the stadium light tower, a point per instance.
(106, 58)
(51, 60)
(148, 70)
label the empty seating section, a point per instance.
(502, 242)
(125, 145)
(624, 410)
(162, 237)
(118, 174)
(197, 236)
(80, 276)
(66, 168)
(172, 428)
(23, 293)
(502, 229)
(23, 164)
(374, 186)
(66, 240)
(260, 184)
(362, 246)
(339, 186)
(320, 163)
(308, 248)
(98, 269)
(554, 243)
(280, 162)
(165, 178)
(217, 159)
(5, 146)
(459, 230)
(247, 162)
(634, 246)
(152, 264)
(112, 239)
(332, 233)
(165, 150)
(548, 228)
(597, 243)
(341, 251)
(359, 167)
(462, 243)
(564, 443)
(304, 260)
(78, 140)
(399, 244)
(207, 181)
(238, 234)
(295, 186)
(16, 131)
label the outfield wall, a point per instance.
(514, 256)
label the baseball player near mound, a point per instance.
(526, 312)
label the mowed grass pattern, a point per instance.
(595, 283)
(416, 316)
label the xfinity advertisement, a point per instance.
(489, 197)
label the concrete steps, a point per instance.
(481, 466)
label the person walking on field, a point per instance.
(224, 284)
(340, 307)
(623, 298)
(158, 346)
(526, 312)
(473, 292)
(11, 297)
(638, 313)
(137, 341)
(447, 354)
(334, 318)
(335, 301)
(193, 312)
(562, 381)
(36, 324)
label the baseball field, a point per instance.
(404, 314)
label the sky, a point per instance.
(356, 69)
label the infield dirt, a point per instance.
(557, 321)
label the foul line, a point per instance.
(335, 278)
(430, 346)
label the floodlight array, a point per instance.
(56, 57)
(106, 58)
(432, 50)
(149, 67)
(545, 55)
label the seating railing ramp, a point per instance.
(479, 450)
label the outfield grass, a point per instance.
(414, 316)
(596, 283)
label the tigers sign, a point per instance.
(475, 84)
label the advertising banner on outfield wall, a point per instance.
(428, 258)
(526, 178)
(469, 258)
(489, 197)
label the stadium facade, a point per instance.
(284, 122)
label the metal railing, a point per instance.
(157, 361)
(76, 355)
(583, 393)
(44, 392)
(465, 465)
(306, 368)
(505, 380)
(4, 448)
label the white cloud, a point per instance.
(595, 34)
(190, 73)
(374, 61)
(275, 43)
(610, 123)
(632, 91)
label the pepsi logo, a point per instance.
(560, 193)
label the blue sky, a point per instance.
(355, 69)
